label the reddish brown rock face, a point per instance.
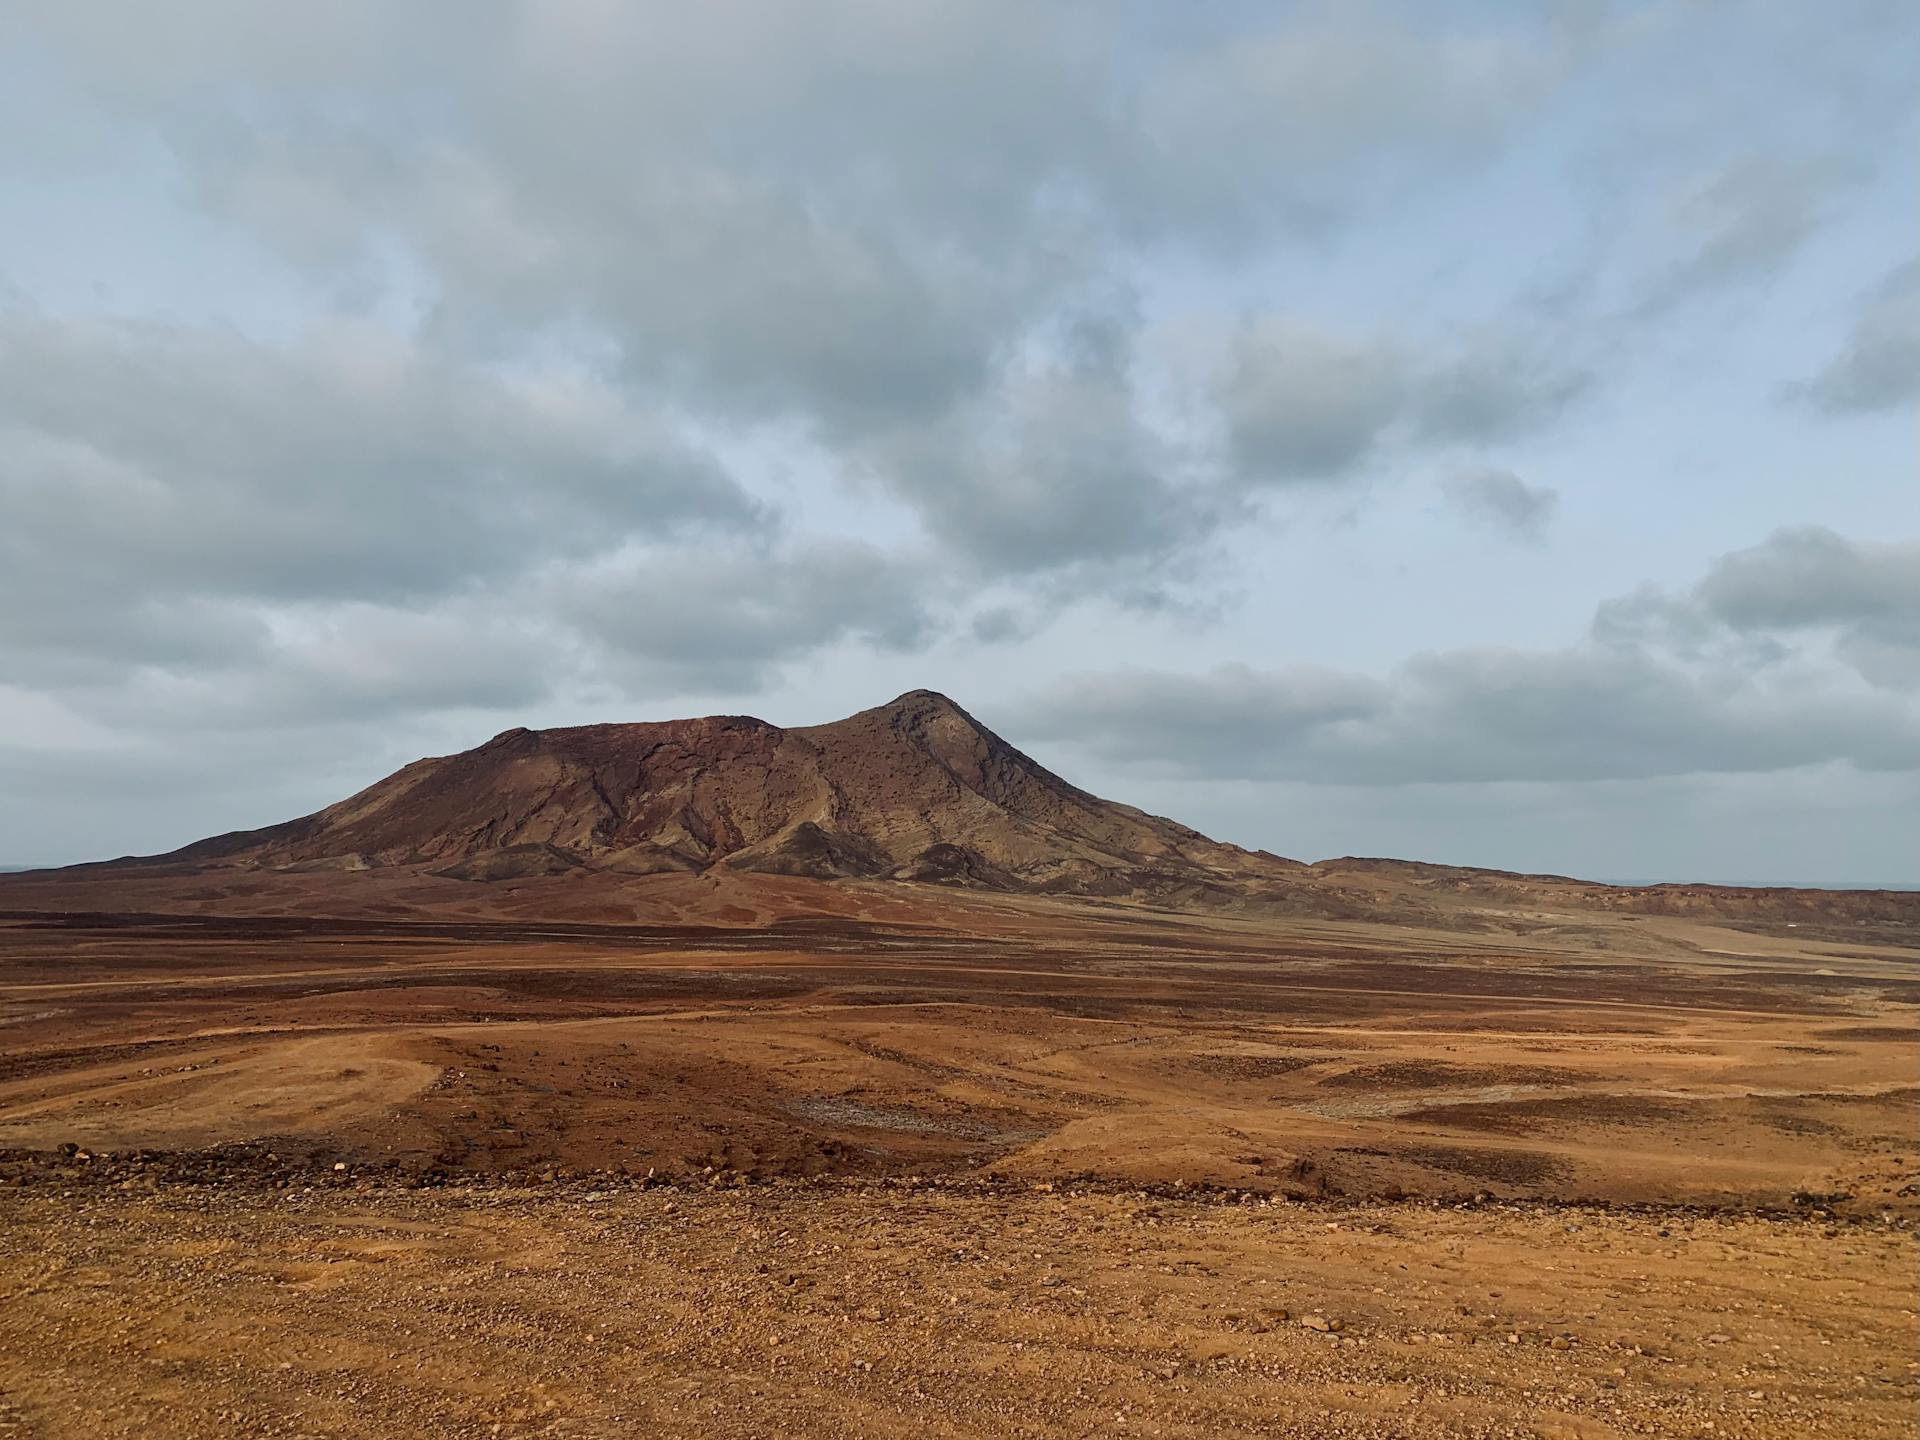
(915, 789)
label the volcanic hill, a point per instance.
(915, 789)
(677, 817)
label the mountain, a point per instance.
(916, 789)
(730, 816)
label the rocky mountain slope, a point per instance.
(916, 789)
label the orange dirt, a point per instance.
(870, 1311)
(1045, 1168)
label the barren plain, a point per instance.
(855, 1159)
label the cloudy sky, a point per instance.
(1482, 433)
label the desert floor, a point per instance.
(889, 1310)
(994, 1168)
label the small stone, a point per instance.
(1317, 1322)
(339, 1166)
(1560, 1342)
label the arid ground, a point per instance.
(960, 1165)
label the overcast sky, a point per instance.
(1473, 433)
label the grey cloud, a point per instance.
(1879, 367)
(150, 460)
(100, 802)
(1812, 576)
(1298, 124)
(858, 218)
(1865, 594)
(985, 123)
(140, 795)
(1192, 723)
(1746, 219)
(722, 619)
(345, 664)
(1505, 500)
(56, 634)
(1494, 390)
(369, 662)
(1626, 705)
(1467, 717)
(652, 620)
(1301, 405)
(209, 530)
(1056, 469)
(1000, 624)
(1589, 714)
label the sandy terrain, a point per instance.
(793, 1309)
(1044, 1168)
(1628, 1060)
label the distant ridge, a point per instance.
(1839, 886)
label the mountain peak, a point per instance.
(922, 702)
